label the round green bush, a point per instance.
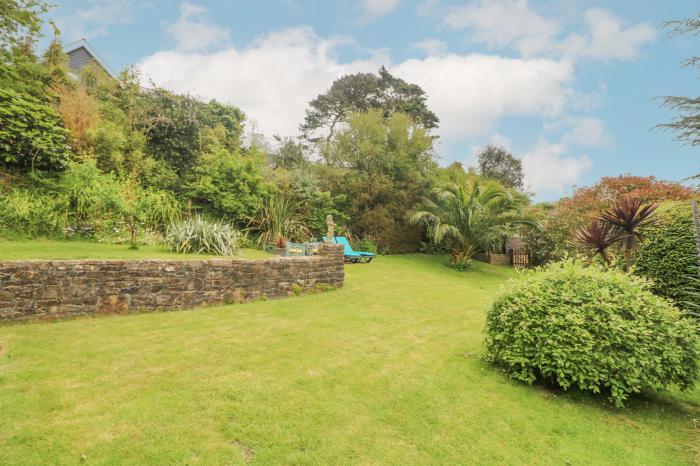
(668, 255)
(598, 330)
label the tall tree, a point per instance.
(498, 164)
(687, 125)
(383, 166)
(361, 92)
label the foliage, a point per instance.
(365, 244)
(462, 260)
(600, 331)
(627, 219)
(591, 200)
(687, 124)
(31, 133)
(80, 113)
(290, 154)
(363, 92)
(175, 126)
(598, 236)
(278, 218)
(87, 202)
(139, 206)
(227, 184)
(303, 188)
(475, 216)
(88, 195)
(562, 220)
(668, 256)
(383, 166)
(550, 241)
(498, 164)
(29, 213)
(20, 23)
(691, 297)
(200, 236)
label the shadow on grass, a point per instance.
(638, 404)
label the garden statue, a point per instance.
(331, 228)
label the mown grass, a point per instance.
(52, 249)
(383, 371)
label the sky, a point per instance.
(570, 87)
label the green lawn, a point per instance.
(49, 249)
(384, 371)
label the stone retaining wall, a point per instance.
(65, 288)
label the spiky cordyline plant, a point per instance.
(278, 218)
(598, 236)
(628, 218)
(472, 216)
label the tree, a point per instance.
(383, 165)
(571, 213)
(598, 236)
(20, 23)
(627, 218)
(498, 164)
(290, 153)
(361, 92)
(31, 133)
(687, 125)
(174, 126)
(475, 216)
(227, 184)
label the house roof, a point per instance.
(81, 53)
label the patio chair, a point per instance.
(360, 256)
(350, 255)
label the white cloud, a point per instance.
(514, 24)
(505, 23)
(95, 19)
(607, 38)
(469, 93)
(549, 170)
(431, 46)
(272, 79)
(376, 8)
(586, 131)
(194, 31)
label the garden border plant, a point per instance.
(599, 330)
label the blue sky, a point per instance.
(569, 86)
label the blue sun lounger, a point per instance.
(350, 254)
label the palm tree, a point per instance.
(628, 218)
(472, 216)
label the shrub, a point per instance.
(668, 255)
(197, 235)
(29, 213)
(598, 330)
(365, 244)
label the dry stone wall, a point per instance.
(64, 288)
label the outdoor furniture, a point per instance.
(366, 256)
(350, 255)
(295, 249)
(311, 248)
